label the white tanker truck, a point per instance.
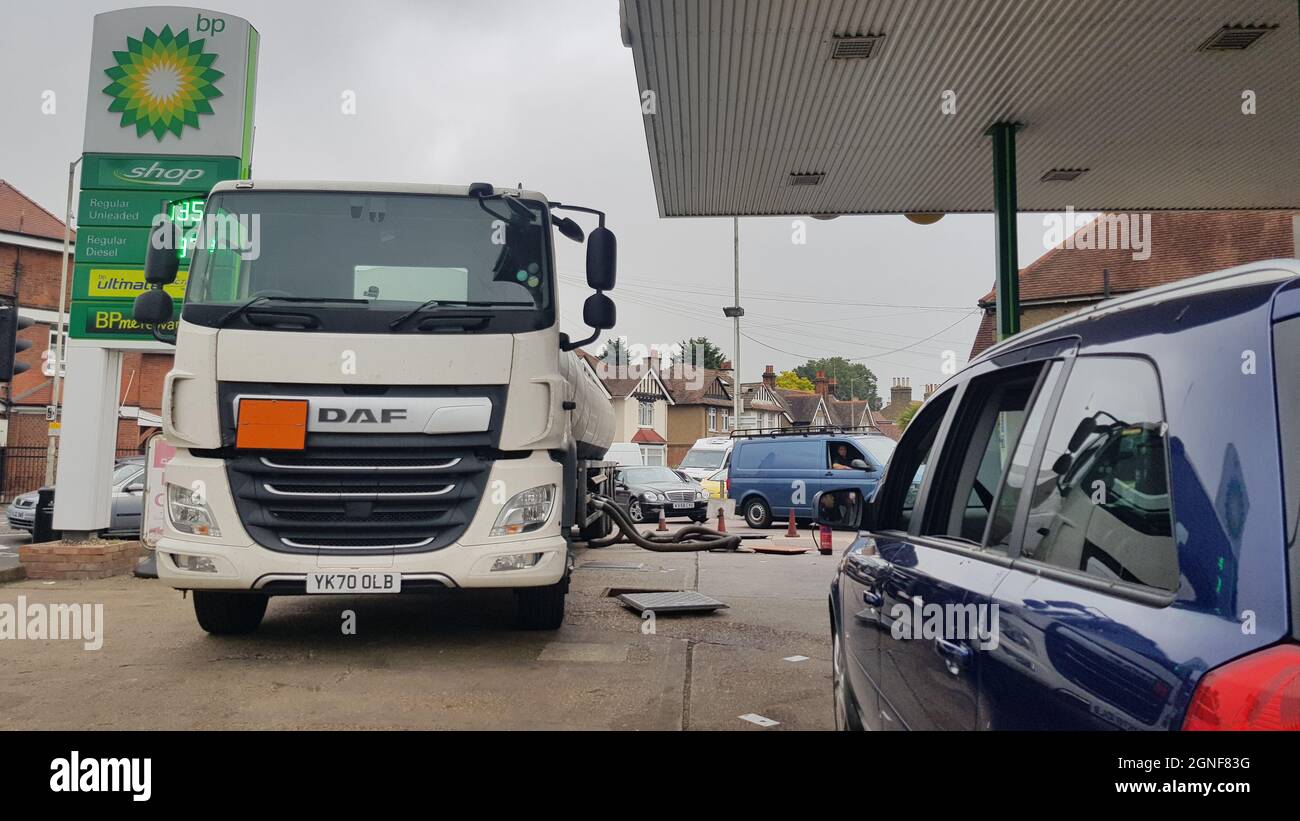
(371, 395)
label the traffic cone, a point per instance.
(722, 521)
(663, 521)
(792, 532)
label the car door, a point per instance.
(1089, 639)
(938, 593)
(128, 506)
(790, 474)
(864, 571)
(850, 477)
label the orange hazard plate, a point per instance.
(272, 424)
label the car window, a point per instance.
(897, 499)
(1286, 351)
(998, 536)
(842, 454)
(880, 447)
(986, 429)
(1101, 497)
(782, 454)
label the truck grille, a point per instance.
(379, 498)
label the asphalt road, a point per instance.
(449, 662)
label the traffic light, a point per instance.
(10, 345)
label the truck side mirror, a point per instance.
(841, 509)
(153, 307)
(599, 312)
(568, 228)
(161, 261)
(602, 259)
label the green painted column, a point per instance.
(1004, 217)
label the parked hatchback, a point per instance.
(776, 472)
(1093, 526)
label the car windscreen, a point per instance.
(703, 459)
(880, 447)
(647, 475)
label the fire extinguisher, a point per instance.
(824, 540)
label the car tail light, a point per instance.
(1258, 692)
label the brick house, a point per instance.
(641, 403)
(702, 406)
(1182, 245)
(31, 259)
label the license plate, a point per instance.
(678, 505)
(354, 582)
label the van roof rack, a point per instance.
(807, 430)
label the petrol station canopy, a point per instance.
(771, 107)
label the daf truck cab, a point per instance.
(371, 395)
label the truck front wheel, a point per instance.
(540, 608)
(229, 614)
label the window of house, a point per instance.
(726, 423)
(1102, 503)
(898, 497)
(646, 415)
(652, 454)
(713, 419)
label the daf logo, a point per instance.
(361, 416)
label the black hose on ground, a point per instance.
(684, 540)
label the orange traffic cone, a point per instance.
(722, 521)
(792, 532)
(663, 520)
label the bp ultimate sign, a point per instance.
(169, 113)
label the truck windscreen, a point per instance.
(356, 262)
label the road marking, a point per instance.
(755, 718)
(795, 658)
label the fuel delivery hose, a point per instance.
(685, 540)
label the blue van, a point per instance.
(1092, 526)
(775, 472)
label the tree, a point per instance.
(853, 380)
(615, 352)
(791, 381)
(905, 418)
(699, 350)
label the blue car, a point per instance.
(778, 471)
(1092, 526)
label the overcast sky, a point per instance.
(510, 91)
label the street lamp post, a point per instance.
(735, 312)
(58, 343)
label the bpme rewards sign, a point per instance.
(169, 113)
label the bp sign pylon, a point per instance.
(169, 113)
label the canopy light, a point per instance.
(1236, 38)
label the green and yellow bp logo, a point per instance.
(162, 82)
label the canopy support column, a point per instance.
(1004, 216)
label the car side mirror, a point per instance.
(861, 464)
(161, 261)
(840, 509)
(602, 259)
(135, 487)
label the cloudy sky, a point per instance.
(510, 91)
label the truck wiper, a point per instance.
(439, 303)
(257, 300)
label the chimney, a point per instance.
(820, 382)
(900, 393)
(652, 362)
(726, 365)
(769, 377)
(929, 390)
(830, 386)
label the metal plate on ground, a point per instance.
(613, 565)
(778, 549)
(678, 601)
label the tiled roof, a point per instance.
(801, 405)
(1182, 244)
(648, 436)
(20, 214)
(694, 390)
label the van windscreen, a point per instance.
(703, 459)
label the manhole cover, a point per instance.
(677, 601)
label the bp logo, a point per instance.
(162, 82)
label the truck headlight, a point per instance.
(188, 513)
(525, 511)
